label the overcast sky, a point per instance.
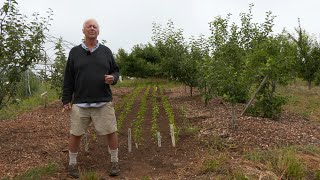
(124, 23)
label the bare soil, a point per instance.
(39, 137)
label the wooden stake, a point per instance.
(172, 135)
(129, 140)
(159, 139)
(254, 95)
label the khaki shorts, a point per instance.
(103, 118)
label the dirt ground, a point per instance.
(39, 137)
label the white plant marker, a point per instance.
(137, 145)
(159, 139)
(86, 143)
(129, 140)
(172, 135)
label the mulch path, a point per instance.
(40, 136)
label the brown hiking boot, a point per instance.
(114, 170)
(73, 171)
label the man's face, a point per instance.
(91, 30)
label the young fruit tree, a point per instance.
(21, 42)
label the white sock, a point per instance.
(72, 158)
(114, 155)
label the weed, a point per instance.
(238, 175)
(145, 178)
(287, 164)
(211, 165)
(284, 161)
(317, 175)
(217, 143)
(219, 164)
(89, 175)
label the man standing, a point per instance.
(90, 71)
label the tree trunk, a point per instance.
(28, 78)
(309, 84)
(191, 90)
(233, 117)
(273, 85)
(205, 95)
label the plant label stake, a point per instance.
(86, 143)
(129, 140)
(159, 139)
(172, 135)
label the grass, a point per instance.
(145, 178)
(220, 163)
(220, 166)
(27, 103)
(302, 101)
(187, 127)
(136, 82)
(89, 175)
(289, 165)
(292, 162)
(317, 175)
(212, 165)
(37, 173)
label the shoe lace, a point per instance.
(114, 166)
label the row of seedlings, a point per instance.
(168, 109)
(155, 114)
(123, 100)
(129, 101)
(137, 123)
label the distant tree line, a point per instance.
(236, 62)
(232, 62)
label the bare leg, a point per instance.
(112, 140)
(74, 143)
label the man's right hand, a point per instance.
(66, 107)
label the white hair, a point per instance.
(91, 19)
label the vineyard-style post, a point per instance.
(159, 139)
(129, 140)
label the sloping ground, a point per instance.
(251, 132)
(38, 137)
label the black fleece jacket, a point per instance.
(84, 75)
